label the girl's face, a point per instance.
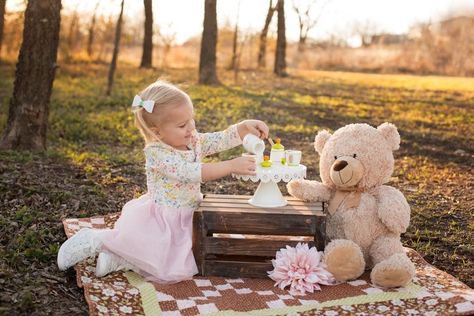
(176, 126)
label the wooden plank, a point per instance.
(320, 235)
(237, 269)
(262, 211)
(251, 207)
(265, 237)
(246, 247)
(245, 204)
(254, 223)
(241, 197)
(245, 201)
(232, 196)
(198, 238)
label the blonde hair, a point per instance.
(165, 95)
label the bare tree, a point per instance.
(72, 32)
(113, 63)
(233, 62)
(2, 21)
(29, 107)
(166, 39)
(244, 42)
(280, 62)
(305, 20)
(148, 38)
(365, 30)
(262, 50)
(90, 38)
(207, 58)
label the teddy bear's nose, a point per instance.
(341, 164)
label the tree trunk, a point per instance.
(280, 63)
(302, 44)
(90, 39)
(207, 59)
(233, 62)
(71, 37)
(262, 50)
(302, 40)
(35, 71)
(2, 21)
(113, 63)
(148, 38)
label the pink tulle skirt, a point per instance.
(155, 239)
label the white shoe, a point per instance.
(107, 263)
(82, 245)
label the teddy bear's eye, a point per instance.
(354, 155)
(335, 157)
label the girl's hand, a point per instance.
(255, 127)
(243, 165)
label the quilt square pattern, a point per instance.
(432, 292)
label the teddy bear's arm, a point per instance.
(393, 209)
(308, 190)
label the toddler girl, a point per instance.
(153, 235)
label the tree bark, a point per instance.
(208, 59)
(90, 39)
(280, 62)
(2, 21)
(113, 63)
(29, 107)
(262, 50)
(148, 38)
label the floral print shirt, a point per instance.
(174, 176)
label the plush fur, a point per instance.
(365, 217)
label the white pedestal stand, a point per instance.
(268, 193)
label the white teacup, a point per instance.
(293, 157)
(253, 144)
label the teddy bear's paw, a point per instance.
(344, 260)
(295, 188)
(395, 271)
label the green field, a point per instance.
(94, 162)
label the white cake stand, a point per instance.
(268, 193)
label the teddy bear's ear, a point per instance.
(390, 133)
(320, 140)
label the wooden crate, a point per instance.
(232, 238)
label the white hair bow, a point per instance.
(146, 104)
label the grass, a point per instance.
(94, 162)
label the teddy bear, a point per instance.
(365, 217)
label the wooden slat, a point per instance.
(236, 269)
(245, 203)
(199, 235)
(246, 247)
(250, 207)
(254, 223)
(229, 196)
(269, 212)
(242, 197)
(230, 201)
(264, 237)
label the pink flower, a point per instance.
(301, 268)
